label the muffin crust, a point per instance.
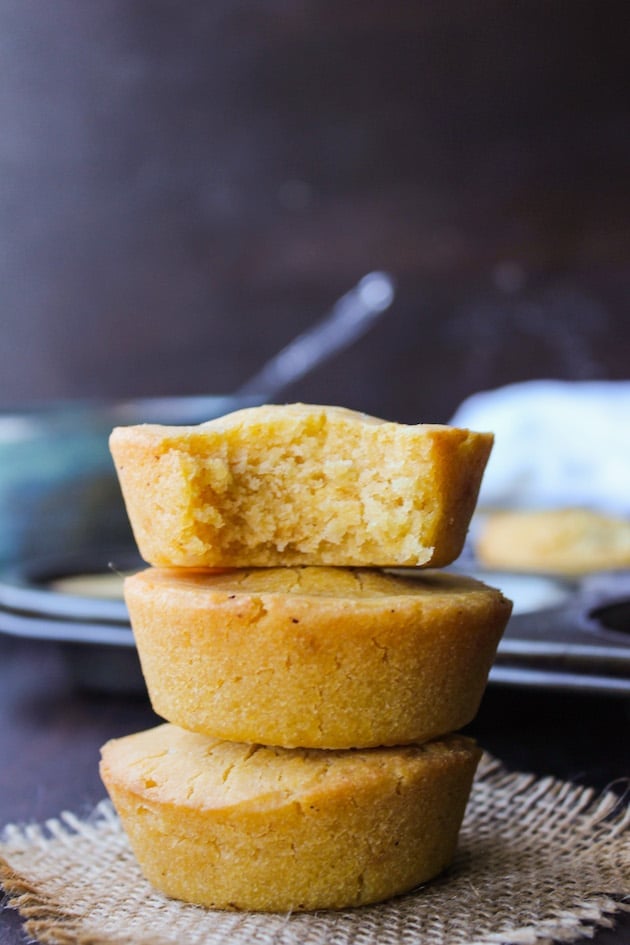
(315, 657)
(233, 826)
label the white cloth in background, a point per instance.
(557, 443)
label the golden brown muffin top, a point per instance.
(180, 767)
(309, 581)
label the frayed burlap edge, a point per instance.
(43, 920)
(606, 815)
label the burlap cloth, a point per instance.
(538, 861)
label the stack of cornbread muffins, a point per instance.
(311, 692)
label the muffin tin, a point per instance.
(58, 491)
(562, 635)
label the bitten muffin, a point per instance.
(315, 657)
(299, 484)
(233, 826)
(570, 541)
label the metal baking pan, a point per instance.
(92, 632)
(562, 635)
(581, 642)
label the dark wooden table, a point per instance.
(52, 731)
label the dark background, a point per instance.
(185, 187)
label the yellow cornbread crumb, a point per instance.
(299, 484)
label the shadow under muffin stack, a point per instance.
(311, 693)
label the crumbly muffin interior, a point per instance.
(299, 485)
(308, 492)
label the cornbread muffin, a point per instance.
(299, 484)
(234, 826)
(315, 657)
(569, 541)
